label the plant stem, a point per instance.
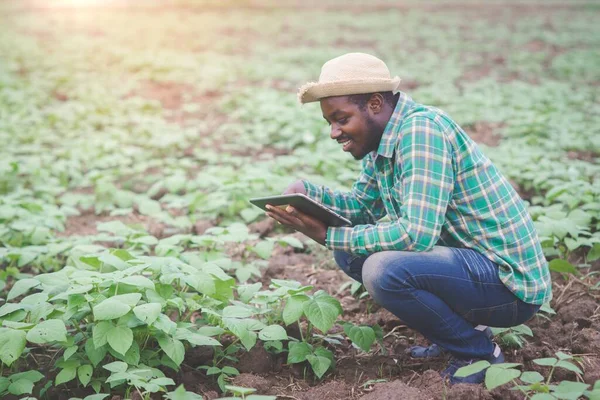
(550, 375)
(308, 330)
(521, 389)
(300, 329)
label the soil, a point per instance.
(484, 132)
(85, 224)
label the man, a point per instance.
(459, 252)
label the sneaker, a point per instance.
(435, 351)
(456, 363)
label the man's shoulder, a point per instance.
(422, 112)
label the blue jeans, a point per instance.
(442, 293)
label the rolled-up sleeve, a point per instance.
(362, 205)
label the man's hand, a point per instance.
(311, 227)
(296, 187)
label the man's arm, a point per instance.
(427, 179)
(362, 205)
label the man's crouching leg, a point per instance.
(443, 294)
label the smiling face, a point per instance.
(358, 130)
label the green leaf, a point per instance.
(9, 308)
(33, 376)
(164, 324)
(548, 362)
(120, 338)
(246, 292)
(65, 375)
(173, 348)
(242, 329)
(563, 356)
(594, 253)
(531, 377)
(148, 206)
(110, 309)
(181, 394)
(568, 366)
(132, 357)
(147, 313)
(84, 373)
(495, 377)
(562, 266)
(22, 286)
(322, 311)
(12, 344)
(542, 396)
(240, 390)
(237, 312)
(100, 333)
(21, 386)
(116, 367)
(263, 249)
(230, 371)
(293, 311)
(471, 369)
(298, 351)
(273, 332)
(69, 351)
(95, 355)
(570, 390)
(196, 339)
(99, 396)
(138, 281)
(52, 330)
(292, 241)
(4, 384)
(362, 336)
(319, 364)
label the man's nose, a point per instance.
(336, 132)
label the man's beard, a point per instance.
(374, 137)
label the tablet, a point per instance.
(304, 204)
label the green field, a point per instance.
(133, 134)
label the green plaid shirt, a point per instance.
(437, 188)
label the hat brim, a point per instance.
(315, 91)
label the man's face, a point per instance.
(355, 129)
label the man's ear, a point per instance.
(375, 103)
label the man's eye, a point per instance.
(342, 121)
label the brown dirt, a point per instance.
(334, 390)
(169, 94)
(391, 390)
(85, 224)
(259, 383)
(257, 361)
(583, 155)
(463, 391)
(484, 132)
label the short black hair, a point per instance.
(361, 99)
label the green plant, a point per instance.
(533, 384)
(245, 393)
(513, 336)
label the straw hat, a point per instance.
(352, 73)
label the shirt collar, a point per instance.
(390, 134)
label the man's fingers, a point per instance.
(292, 211)
(285, 217)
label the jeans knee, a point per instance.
(376, 274)
(387, 272)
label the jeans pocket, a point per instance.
(501, 316)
